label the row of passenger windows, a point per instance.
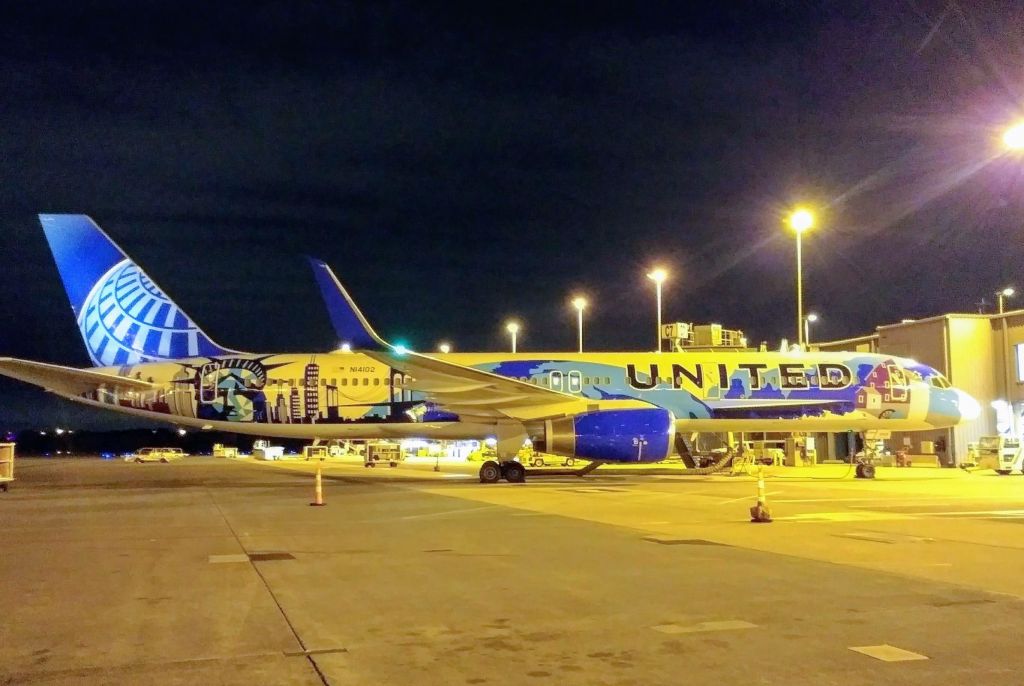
(360, 381)
(548, 380)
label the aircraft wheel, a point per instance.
(515, 473)
(1003, 472)
(570, 462)
(164, 460)
(490, 472)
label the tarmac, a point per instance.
(218, 571)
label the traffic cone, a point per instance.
(759, 513)
(318, 500)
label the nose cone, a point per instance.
(969, 407)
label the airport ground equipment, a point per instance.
(1009, 455)
(221, 450)
(156, 455)
(6, 465)
(315, 452)
(262, 450)
(382, 451)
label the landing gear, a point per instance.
(865, 470)
(490, 472)
(514, 472)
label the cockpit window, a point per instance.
(938, 381)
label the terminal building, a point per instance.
(982, 354)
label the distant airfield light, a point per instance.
(401, 349)
(513, 329)
(1013, 139)
(444, 348)
(580, 303)
(346, 347)
(59, 431)
(1007, 292)
(182, 432)
(658, 276)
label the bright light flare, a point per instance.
(801, 220)
(657, 275)
(1007, 292)
(1013, 139)
(512, 327)
(579, 302)
(812, 317)
(444, 348)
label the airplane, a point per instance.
(151, 360)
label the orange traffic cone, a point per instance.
(318, 500)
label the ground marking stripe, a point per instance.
(723, 625)
(888, 653)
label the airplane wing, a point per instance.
(67, 380)
(468, 392)
(471, 392)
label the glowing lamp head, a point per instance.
(444, 348)
(579, 303)
(512, 327)
(812, 317)
(346, 347)
(801, 220)
(657, 275)
(1013, 139)
(1007, 292)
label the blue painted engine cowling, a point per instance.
(632, 435)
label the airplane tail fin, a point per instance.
(123, 316)
(349, 323)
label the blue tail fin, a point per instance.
(124, 317)
(349, 323)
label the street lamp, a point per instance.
(658, 276)
(580, 303)
(808, 320)
(513, 329)
(800, 221)
(444, 348)
(1003, 294)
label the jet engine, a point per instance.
(630, 435)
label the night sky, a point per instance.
(461, 163)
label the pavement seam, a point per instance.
(291, 627)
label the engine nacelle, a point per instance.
(632, 435)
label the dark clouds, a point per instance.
(459, 163)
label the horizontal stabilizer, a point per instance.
(67, 380)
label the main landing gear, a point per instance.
(491, 472)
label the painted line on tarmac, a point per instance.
(888, 653)
(445, 513)
(749, 497)
(724, 625)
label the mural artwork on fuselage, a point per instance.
(350, 388)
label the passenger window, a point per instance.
(344, 382)
(376, 382)
(366, 381)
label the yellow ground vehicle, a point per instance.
(155, 455)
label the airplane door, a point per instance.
(556, 380)
(575, 382)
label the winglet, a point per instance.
(349, 323)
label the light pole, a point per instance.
(513, 329)
(580, 303)
(808, 320)
(658, 276)
(800, 221)
(1003, 294)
